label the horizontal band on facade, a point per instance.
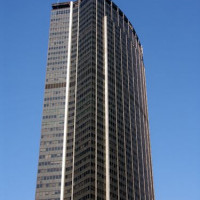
(55, 85)
(61, 5)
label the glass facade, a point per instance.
(95, 132)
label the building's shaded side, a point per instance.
(84, 165)
(95, 106)
(130, 158)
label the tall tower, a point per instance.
(95, 132)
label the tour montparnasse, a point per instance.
(95, 141)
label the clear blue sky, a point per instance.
(169, 31)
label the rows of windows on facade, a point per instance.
(95, 141)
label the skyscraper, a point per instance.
(95, 132)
